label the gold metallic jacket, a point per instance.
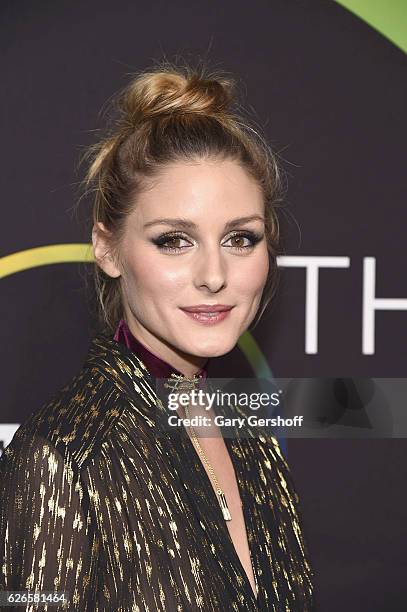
(95, 504)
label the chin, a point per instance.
(217, 348)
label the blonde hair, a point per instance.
(166, 114)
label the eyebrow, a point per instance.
(186, 224)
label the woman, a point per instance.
(94, 502)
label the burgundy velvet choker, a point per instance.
(156, 366)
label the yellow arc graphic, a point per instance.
(45, 255)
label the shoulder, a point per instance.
(76, 421)
(86, 412)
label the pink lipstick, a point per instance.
(208, 314)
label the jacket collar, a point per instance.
(129, 373)
(117, 362)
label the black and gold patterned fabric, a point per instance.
(94, 503)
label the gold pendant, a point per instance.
(223, 504)
(177, 382)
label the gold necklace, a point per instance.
(183, 382)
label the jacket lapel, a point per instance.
(131, 376)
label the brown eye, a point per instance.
(173, 242)
(238, 241)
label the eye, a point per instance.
(164, 240)
(240, 237)
(170, 241)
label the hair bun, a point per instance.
(157, 93)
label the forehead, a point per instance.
(205, 192)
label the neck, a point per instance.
(188, 365)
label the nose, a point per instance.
(210, 270)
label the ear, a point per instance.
(101, 250)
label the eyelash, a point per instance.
(161, 240)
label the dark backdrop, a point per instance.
(330, 93)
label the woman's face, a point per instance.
(167, 265)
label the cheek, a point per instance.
(252, 276)
(148, 277)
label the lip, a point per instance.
(208, 315)
(207, 308)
